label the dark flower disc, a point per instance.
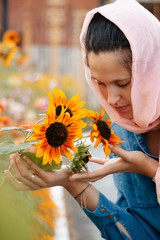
(56, 134)
(59, 109)
(104, 130)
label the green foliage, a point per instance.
(17, 211)
(9, 147)
(81, 158)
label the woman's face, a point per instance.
(112, 80)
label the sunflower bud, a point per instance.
(80, 159)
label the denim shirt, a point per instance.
(136, 192)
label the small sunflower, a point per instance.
(9, 56)
(102, 132)
(72, 106)
(56, 135)
(11, 38)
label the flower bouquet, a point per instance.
(59, 133)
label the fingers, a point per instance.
(89, 176)
(14, 183)
(23, 174)
(98, 160)
(36, 169)
(120, 152)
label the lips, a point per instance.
(122, 108)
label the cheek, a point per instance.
(101, 89)
(128, 95)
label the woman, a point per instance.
(120, 45)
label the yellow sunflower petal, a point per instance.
(65, 151)
(60, 97)
(50, 96)
(92, 136)
(114, 139)
(69, 120)
(102, 114)
(46, 156)
(78, 106)
(92, 114)
(95, 134)
(108, 122)
(73, 101)
(94, 126)
(51, 113)
(98, 141)
(39, 152)
(83, 112)
(32, 137)
(106, 148)
(39, 128)
(56, 155)
(70, 144)
(42, 142)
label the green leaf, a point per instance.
(11, 128)
(47, 167)
(9, 147)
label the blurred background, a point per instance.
(39, 49)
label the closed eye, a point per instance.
(97, 81)
(123, 85)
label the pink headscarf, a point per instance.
(142, 30)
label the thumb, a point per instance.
(119, 151)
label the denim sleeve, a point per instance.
(103, 215)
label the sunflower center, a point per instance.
(104, 130)
(59, 109)
(56, 134)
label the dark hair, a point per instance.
(104, 36)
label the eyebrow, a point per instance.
(116, 80)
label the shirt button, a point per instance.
(110, 217)
(103, 210)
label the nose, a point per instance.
(113, 96)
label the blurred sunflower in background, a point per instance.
(11, 38)
(102, 132)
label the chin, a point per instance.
(126, 115)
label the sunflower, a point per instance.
(56, 135)
(7, 59)
(11, 38)
(72, 106)
(102, 132)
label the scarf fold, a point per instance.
(142, 30)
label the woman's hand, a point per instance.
(34, 178)
(128, 161)
(157, 182)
